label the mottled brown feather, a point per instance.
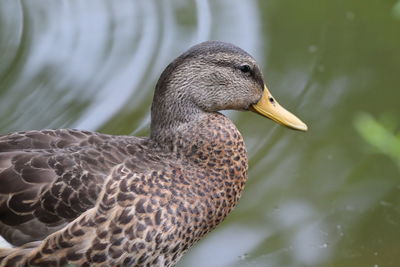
(53, 182)
(163, 207)
(101, 200)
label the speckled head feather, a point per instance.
(207, 78)
(90, 199)
(212, 50)
(205, 49)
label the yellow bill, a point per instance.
(270, 108)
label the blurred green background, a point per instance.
(328, 197)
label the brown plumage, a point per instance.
(91, 199)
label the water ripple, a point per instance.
(80, 64)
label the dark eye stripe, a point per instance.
(255, 73)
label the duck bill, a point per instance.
(270, 108)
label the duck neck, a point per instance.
(169, 131)
(213, 145)
(171, 112)
(215, 148)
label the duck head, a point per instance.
(210, 77)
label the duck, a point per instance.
(84, 198)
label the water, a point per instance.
(321, 198)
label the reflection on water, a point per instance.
(86, 60)
(323, 198)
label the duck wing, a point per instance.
(134, 223)
(48, 178)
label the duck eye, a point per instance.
(245, 68)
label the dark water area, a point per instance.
(327, 197)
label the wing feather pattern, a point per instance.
(48, 178)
